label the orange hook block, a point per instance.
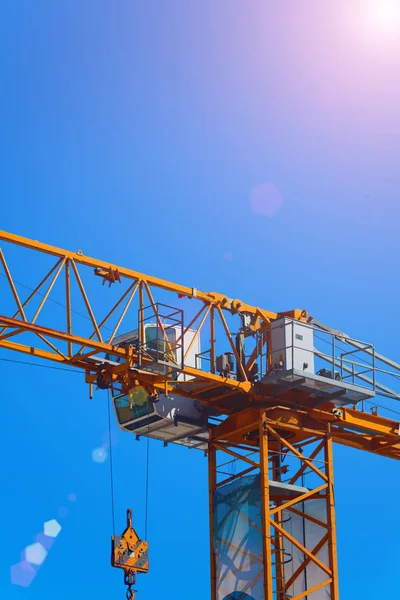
(129, 553)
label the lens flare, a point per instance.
(63, 512)
(384, 16)
(52, 528)
(99, 455)
(35, 554)
(44, 540)
(265, 199)
(22, 574)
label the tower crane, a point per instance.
(263, 394)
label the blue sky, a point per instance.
(137, 132)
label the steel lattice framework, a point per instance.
(255, 421)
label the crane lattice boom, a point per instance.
(270, 394)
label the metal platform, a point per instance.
(170, 432)
(286, 491)
(327, 389)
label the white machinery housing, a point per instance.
(294, 360)
(292, 345)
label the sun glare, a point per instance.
(384, 16)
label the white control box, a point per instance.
(292, 344)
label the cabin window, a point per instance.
(156, 342)
(140, 407)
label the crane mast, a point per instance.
(273, 391)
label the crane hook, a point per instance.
(129, 580)
(130, 594)
(129, 553)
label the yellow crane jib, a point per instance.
(129, 553)
(250, 387)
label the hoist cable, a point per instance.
(79, 314)
(111, 463)
(147, 474)
(31, 364)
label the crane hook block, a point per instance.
(128, 551)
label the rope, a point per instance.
(147, 475)
(111, 464)
(31, 364)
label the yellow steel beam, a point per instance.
(62, 336)
(351, 428)
(298, 499)
(101, 347)
(330, 508)
(348, 427)
(307, 561)
(315, 588)
(214, 298)
(300, 546)
(364, 437)
(212, 486)
(265, 510)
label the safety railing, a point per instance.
(308, 349)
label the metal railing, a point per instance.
(328, 355)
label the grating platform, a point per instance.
(336, 391)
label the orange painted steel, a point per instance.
(255, 420)
(267, 437)
(129, 553)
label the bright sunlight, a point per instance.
(384, 16)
